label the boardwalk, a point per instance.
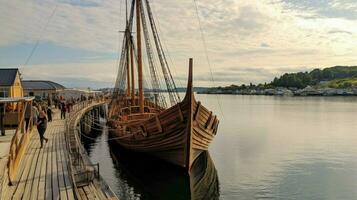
(45, 173)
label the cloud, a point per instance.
(87, 3)
(95, 74)
(261, 34)
(264, 45)
(340, 31)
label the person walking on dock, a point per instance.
(42, 126)
(63, 110)
(49, 114)
(28, 115)
(35, 113)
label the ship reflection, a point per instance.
(155, 179)
(90, 140)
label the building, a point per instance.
(10, 83)
(78, 93)
(42, 89)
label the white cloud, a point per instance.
(234, 31)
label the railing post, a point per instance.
(2, 113)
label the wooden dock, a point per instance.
(50, 173)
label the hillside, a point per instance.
(303, 79)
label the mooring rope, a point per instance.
(98, 124)
(109, 139)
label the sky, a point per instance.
(77, 42)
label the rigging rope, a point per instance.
(118, 59)
(103, 127)
(164, 43)
(206, 52)
(170, 83)
(40, 37)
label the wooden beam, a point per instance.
(132, 73)
(2, 113)
(140, 64)
(197, 110)
(158, 123)
(127, 64)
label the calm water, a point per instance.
(266, 148)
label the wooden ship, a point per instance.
(140, 118)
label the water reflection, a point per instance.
(154, 179)
(89, 141)
(266, 148)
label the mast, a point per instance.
(140, 67)
(127, 49)
(132, 73)
(128, 91)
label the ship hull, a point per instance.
(177, 135)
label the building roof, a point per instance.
(41, 85)
(15, 99)
(8, 76)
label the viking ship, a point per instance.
(140, 118)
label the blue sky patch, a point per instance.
(17, 54)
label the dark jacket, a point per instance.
(42, 123)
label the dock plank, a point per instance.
(9, 191)
(89, 193)
(45, 173)
(48, 179)
(31, 176)
(66, 175)
(54, 175)
(82, 193)
(42, 177)
(25, 175)
(36, 181)
(61, 181)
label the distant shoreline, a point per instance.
(308, 91)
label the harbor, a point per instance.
(178, 100)
(59, 170)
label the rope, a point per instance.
(41, 34)
(206, 52)
(164, 42)
(101, 125)
(118, 58)
(110, 139)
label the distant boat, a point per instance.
(160, 181)
(144, 122)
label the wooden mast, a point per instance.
(132, 73)
(140, 64)
(127, 50)
(128, 92)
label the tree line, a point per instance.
(303, 79)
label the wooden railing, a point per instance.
(81, 169)
(20, 139)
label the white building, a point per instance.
(77, 93)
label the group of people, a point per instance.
(41, 113)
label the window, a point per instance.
(4, 92)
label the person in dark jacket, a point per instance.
(63, 110)
(28, 115)
(42, 126)
(49, 114)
